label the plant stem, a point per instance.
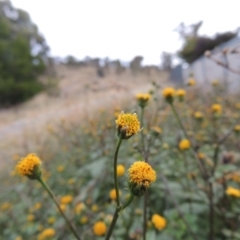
(145, 215)
(59, 208)
(116, 215)
(142, 135)
(115, 171)
(179, 120)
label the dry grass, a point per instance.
(81, 92)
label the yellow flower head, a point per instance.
(169, 94)
(191, 82)
(215, 82)
(141, 175)
(198, 115)
(18, 238)
(237, 128)
(84, 220)
(66, 199)
(143, 99)
(113, 195)
(5, 206)
(60, 168)
(181, 93)
(127, 125)
(94, 208)
(30, 217)
(99, 228)
(216, 108)
(237, 105)
(156, 130)
(79, 208)
(234, 192)
(29, 166)
(159, 222)
(184, 144)
(120, 170)
(51, 220)
(46, 234)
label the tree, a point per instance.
(23, 55)
(195, 46)
(166, 59)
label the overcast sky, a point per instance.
(125, 28)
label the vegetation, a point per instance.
(190, 138)
(23, 52)
(195, 45)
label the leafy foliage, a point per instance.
(23, 52)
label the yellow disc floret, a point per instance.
(29, 166)
(127, 125)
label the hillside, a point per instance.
(80, 92)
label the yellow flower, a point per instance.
(5, 206)
(141, 175)
(143, 99)
(216, 108)
(30, 217)
(18, 238)
(234, 192)
(165, 146)
(99, 228)
(159, 222)
(29, 166)
(94, 208)
(215, 82)
(46, 234)
(237, 105)
(198, 115)
(184, 144)
(113, 195)
(63, 207)
(60, 168)
(51, 220)
(191, 82)
(127, 125)
(181, 93)
(156, 130)
(79, 208)
(168, 94)
(71, 181)
(84, 220)
(66, 199)
(120, 170)
(201, 155)
(37, 206)
(237, 128)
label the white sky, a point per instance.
(125, 28)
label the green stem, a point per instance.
(115, 171)
(116, 215)
(142, 135)
(59, 208)
(178, 119)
